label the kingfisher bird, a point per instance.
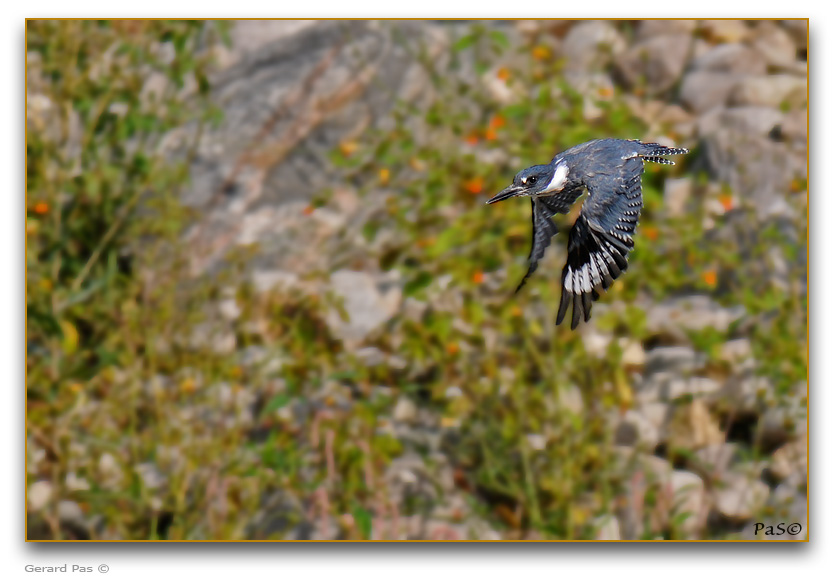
(602, 236)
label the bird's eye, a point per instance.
(531, 180)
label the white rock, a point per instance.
(590, 45)
(608, 528)
(570, 397)
(714, 460)
(657, 61)
(771, 91)
(39, 495)
(689, 497)
(367, 308)
(740, 497)
(633, 352)
(725, 30)
(676, 192)
(703, 90)
(774, 43)
(731, 58)
(537, 441)
(405, 411)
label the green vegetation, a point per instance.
(114, 381)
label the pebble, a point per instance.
(39, 495)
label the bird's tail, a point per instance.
(653, 151)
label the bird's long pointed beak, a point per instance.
(508, 192)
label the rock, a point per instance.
(405, 410)
(745, 394)
(736, 351)
(794, 127)
(229, 309)
(751, 120)
(596, 342)
(70, 512)
(150, 475)
(692, 386)
(780, 424)
(589, 45)
(633, 353)
(755, 168)
(725, 30)
(366, 307)
(75, 483)
(677, 315)
(737, 59)
(636, 430)
(676, 194)
(570, 398)
(798, 30)
(370, 356)
(649, 28)
(268, 280)
(692, 426)
(537, 441)
(703, 90)
(689, 501)
(657, 61)
(39, 495)
(789, 459)
(607, 528)
(712, 461)
(774, 43)
(110, 472)
(779, 90)
(678, 359)
(740, 497)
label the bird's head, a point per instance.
(535, 180)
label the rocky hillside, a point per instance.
(358, 367)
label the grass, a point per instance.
(172, 438)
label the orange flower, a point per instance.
(452, 348)
(478, 277)
(384, 175)
(188, 386)
(41, 207)
(472, 138)
(650, 232)
(503, 73)
(710, 277)
(474, 185)
(515, 311)
(497, 121)
(348, 147)
(308, 210)
(416, 164)
(490, 134)
(541, 52)
(726, 201)
(605, 92)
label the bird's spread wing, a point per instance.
(601, 238)
(544, 208)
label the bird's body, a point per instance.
(602, 236)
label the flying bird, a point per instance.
(602, 236)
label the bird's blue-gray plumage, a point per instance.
(602, 236)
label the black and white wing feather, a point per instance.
(601, 238)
